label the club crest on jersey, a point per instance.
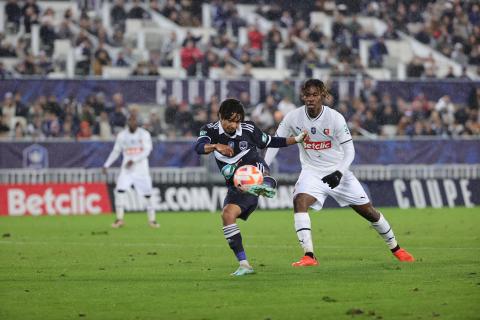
(313, 130)
(326, 132)
(243, 145)
(231, 144)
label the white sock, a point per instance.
(150, 209)
(385, 231)
(120, 205)
(245, 264)
(303, 228)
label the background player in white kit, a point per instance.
(135, 144)
(325, 158)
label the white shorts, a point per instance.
(348, 192)
(141, 183)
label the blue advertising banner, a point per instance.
(150, 91)
(93, 154)
(396, 152)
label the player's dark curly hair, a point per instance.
(317, 84)
(229, 108)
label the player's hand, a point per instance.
(301, 136)
(224, 149)
(333, 179)
(129, 164)
(104, 170)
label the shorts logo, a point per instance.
(326, 132)
(317, 145)
(231, 144)
(243, 145)
(313, 130)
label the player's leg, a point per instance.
(120, 200)
(123, 184)
(143, 186)
(237, 205)
(303, 228)
(381, 225)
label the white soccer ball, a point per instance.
(247, 176)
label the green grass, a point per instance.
(79, 268)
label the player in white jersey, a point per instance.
(326, 157)
(135, 144)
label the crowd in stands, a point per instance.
(371, 113)
(451, 27)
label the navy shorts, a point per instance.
(246, 201)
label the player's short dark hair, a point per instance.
(315, 83)
(229, 107)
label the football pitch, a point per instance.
(79, 268)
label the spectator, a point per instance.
(118, 14)
(102, 128)
(376, 53)
(184, 120)
(14, 14)
(263, 114)
(255, 38)
(85, 131)
(137, 12)
(190, 55)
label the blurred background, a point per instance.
(404, 74)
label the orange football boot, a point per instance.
(403, 255)
(306, 261)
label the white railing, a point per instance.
(81, 175)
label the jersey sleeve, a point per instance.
(261, 139)
(206, 135)
(342, 133)
(116, 151)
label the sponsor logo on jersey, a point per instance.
(133, 150)
(317, 145)
(231, 144)
(244, 145)
(313, 130)
(203, 133)
(326, 132)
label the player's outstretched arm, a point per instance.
(203, 147)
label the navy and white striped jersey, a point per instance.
(244, 142)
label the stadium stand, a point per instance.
(239, 40)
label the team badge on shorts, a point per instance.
(326, 132)
(313, 130)
(231, 144)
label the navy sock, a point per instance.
(234, 239)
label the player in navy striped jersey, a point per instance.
(234, 143)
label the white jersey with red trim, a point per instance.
(134, 146)
(327, 132)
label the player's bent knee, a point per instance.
(302, 202)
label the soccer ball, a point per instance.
(247, 176)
